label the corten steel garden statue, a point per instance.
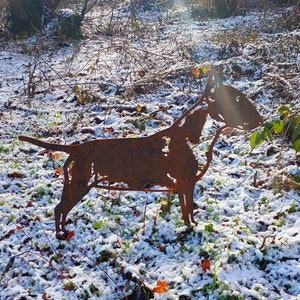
(163, 159)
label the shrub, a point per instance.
(286, 124)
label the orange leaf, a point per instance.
(161, 287)
(205, 264)
(162, 283)
(55, 155)
(196, 72)
(138, 108)
(159, 290)
(58, 171)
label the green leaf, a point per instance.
(209, 227)
(284, 110)
(296, 145)
(268, 125)
(296, 178)
(267, 133)
(99, 224)
(277, 125)
(256, 138)
(293, 207)
(252, 139)
(76, 88)
(296, 133)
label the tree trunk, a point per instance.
(25, 15)
(29, 15)
(220, 8)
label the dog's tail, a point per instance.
(55, 147)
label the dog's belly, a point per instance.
(136, 175)
(140, 163)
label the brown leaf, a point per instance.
(205, 264)
(70, 235)
(7, 235)
(15, 175)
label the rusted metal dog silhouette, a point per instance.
(163, 159)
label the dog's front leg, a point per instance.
(187, 205)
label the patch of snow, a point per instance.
(250, 233)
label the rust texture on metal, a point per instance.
(164, 159)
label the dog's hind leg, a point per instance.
(75, 188)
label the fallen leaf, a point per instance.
(15, 175)
(199, 70)
(69, 286)
(58, 171)
(161, 287)
(161, 247)
(108, 130)
(205, 264)
(55, 155)
(196, 72)
(70, 235)
(8, 234)
(141, 73)
(138, 108)
(46, 296)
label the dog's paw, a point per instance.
(65, 235)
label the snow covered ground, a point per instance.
(130, 78)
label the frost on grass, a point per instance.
(133, 83)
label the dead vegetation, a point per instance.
(133, 75)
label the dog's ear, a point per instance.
(229, 105)
(234, 108)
